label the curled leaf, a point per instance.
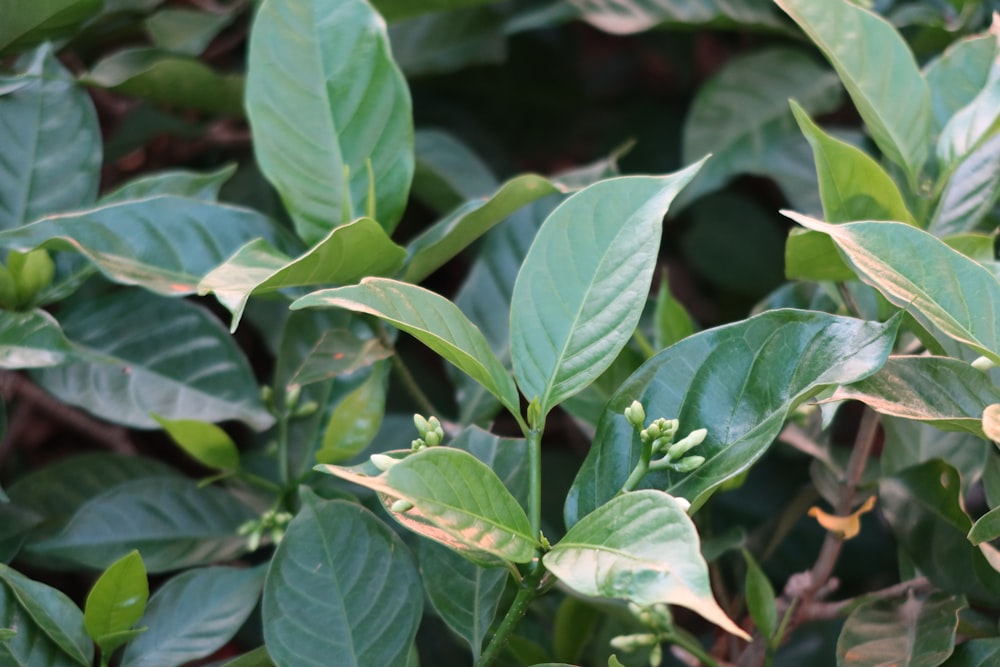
(845, 527)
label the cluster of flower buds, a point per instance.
(430, 431)
(655, 617)
(660, 436)
(272, 523)
(292, 408)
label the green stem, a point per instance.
(641, 468)
(534, 437)
(691, 645)
(527, 592)
(644, 345)
(283, 462)
(403, 372)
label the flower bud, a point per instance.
(8, 290)
(32, 273)
(418, 444)
(421, 424)
(433, 438)
(307, 409)
(629, 643)
(689, 463)
(433, 423)
(382, 461)
(983, 364)
(681, 447)
(636, 415)
(402, 506)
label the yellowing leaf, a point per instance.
(991, 422)
(845, 527)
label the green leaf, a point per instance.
(324, 96)
(811, 255)
(164, 244)
(255, 658)
(896, 259)
(185, 31)
(740, 381)
(54, 614)
(442, 241)
(164, 78)
(957, 75)
(193, 184)
(946, 393)
(29, 646)
(760, 598)
(922, 505)
(206, 443)
(172, 521)
(672, 321)
(457, 500)
(975, 653)
(464, 594)
(888, 90)
(643, 547)
(431, 319)
(348, 253)
(193, 615)
(851, 184)
(117, 601)
(443, 42)
(51, 139)
(971, 192)
(355, 421)
(27, 23)
(741, 117)
(447, 172)
(631, 16)
(909, 443)
(32, 340)
(582, 287)
(154, 355)
(971, 125)
(507, 457)
(15, 525)
(573, 628)
(986, 527)
(917, 632)
(356, 579)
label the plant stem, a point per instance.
(641, 468)
(534, 438)
(691, 645)
(403, 372)
(525, 595)
(644, 345)
(283, 462)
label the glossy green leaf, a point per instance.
(573, 628)
(32, 340)
(185, 31)
(740, 381)
(946, 393)
(957, 75)
(760, 597)
(457, 501)
(165, 78)
(355, 421)
(206, 443)
(51, 139)
(147, 355)
(192, 184)
(923, 508)
(53, 613)
(173, 522)
(986, 528)
(324, 97)
(631, 16)
(975, 653)
(909, 443)
(464, 595)
(507, 457)
(447, 172)
(255, 658)
(164, 244)
(887, 89)
(356, 579)
(454, 233)
(116, 601)
(811, 255)
(971, 125)
(915, 270)
(672, 321)
(349, 252)
(584, 282)
(643, 547)
(910, 631)
(443, 42)
(431, 319)
(971, 192)
(741, 117)
(193, 615)
(29, 646)
(27, 23)
(851, 184)
(15, 525)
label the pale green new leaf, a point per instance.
(957, 75)
(947, 393)
(51, 156)
(206, 443)
(912, 631)
(144, 354)
(454, 233)
(457, 501)
(324, 97)
(913, 269)
(643, 547)
(180, 182)
(116, 601)
(26, 23)
(584, 282)
(971, 125)
(164, 244)
(358, 583)
(346, 254)
(432, 319)
(879, 71)
(852, 185)
(356, 420)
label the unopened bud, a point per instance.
(983, 364)
(635, 414)
(421, 424)
(382, 461)
(292, 394)
(402, 506)
(433, 438)
(629, 643)
(418, 444)
(689, 463)
(681, 447)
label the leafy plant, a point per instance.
(806, 480)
